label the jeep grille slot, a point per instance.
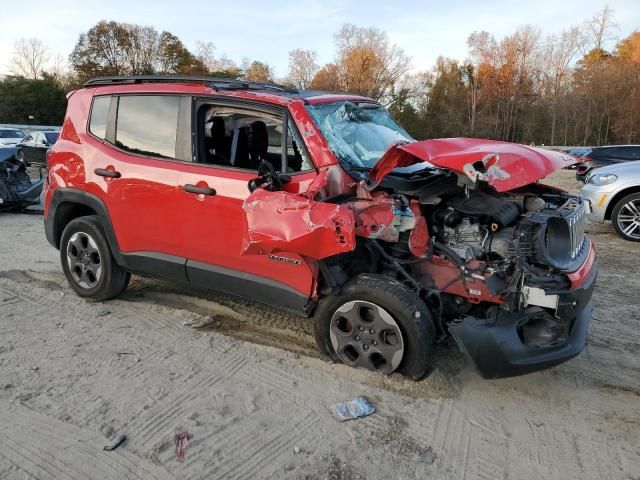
(576, 221)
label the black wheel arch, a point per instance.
(67, 204)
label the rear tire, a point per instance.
(387, 303)
(625, 217)
(87, 261)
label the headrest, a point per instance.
(258, 138)
(217, 130)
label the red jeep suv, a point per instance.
(321, 204)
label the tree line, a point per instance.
(564, 89)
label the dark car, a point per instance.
(321, 204)
(9, 137)
(579, 151)
(602, 156)
(32, 149)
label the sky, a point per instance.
(267, 30)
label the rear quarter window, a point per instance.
(99, 116)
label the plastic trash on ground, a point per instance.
(357, 408)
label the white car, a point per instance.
(613, 193)
(9, 137)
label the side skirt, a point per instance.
(220, 279)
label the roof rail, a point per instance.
(213, 82)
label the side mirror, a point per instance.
(268, 177)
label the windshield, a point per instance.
(11, 134)
(357, 133)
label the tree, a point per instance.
(113, 48)
(302, 67)
(327, 79)
(258, 72)
(367, 63)
(221, 66)
(173, 57)
(557, 56)
(29, 58)
(626, 107)
(40, 101)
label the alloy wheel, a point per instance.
(628, 219)
(365, 335)
(83, 259)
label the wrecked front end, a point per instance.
(501, 261)
(16, 187)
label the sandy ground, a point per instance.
(253, 395)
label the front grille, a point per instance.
(574, 214)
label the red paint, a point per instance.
(507, 166)
(283, 222)
(581, 275)
(419, 238)
(440, 272)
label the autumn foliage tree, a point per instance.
(575, 87)
(113, 48)
(366, 64)
(302, 67)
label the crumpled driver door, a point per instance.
(290, 222)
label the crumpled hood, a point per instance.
(504, 166)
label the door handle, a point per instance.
(103, 172)
(199, 190)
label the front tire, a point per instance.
(87, 261)
(378, 324)
(625, 217)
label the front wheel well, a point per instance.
(66, 212)
(619, 196)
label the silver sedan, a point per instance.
(613, 193)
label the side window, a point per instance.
(297, 158)
(147, 124)
(629, 153)
(99, 116)
(238, 137)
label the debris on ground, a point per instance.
(116, 442)
(429, 456)
(182, 440)
(357, 408)
(201, 322)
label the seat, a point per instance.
(258, 143)
(219, 142)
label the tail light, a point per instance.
(586, 159)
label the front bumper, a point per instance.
(497, 350)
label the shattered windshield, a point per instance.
(357, 133)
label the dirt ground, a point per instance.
(252, 393)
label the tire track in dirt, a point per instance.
(61, 451)
(253, 453)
